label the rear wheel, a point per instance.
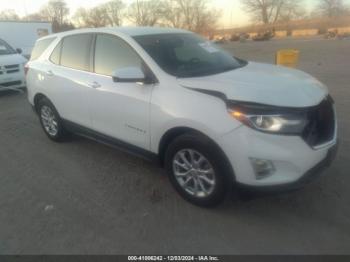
(51, 121)
(198, 170)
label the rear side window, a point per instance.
(76, 51)
(112, 53)
(56, 54)
(40, 47)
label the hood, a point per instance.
(13, 59)
(263, 84)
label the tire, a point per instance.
(207, 156)
(50, 121)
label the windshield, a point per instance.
(5, 48)
(188, 55)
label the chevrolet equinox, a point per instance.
(211, 119)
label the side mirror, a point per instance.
(19, 50)
(130, 75)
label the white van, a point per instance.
(23, 34)
(12, 65)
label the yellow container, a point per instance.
(287, 57)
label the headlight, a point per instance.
(287, 123)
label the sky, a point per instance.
(232, 14)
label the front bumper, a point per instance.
(307, 178)
(15, 81)
(294, 160)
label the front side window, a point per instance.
(188, 55)
(40, 47)
(6, 49)
(76, 51)
(112, 53)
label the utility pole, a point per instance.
(25, 7)
(138, 12)
(231, 17)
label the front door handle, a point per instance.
(94, 85)
(50, 73)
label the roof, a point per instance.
(127, 30)
(137, 31)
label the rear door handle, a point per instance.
(50, 73)
(94, 85)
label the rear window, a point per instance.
(40, 47)
(76, 51)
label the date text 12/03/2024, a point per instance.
(173, 258)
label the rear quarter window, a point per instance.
(40, 47)
(56, 54)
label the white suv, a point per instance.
(212, 120)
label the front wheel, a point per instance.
(198, 170)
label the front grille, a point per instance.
(10, 69)
(11, 66)
(8, 84)
(321, 127)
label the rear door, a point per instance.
(68, 76)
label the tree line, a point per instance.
(194, 15)
(272, 11)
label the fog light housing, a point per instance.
(262, 168)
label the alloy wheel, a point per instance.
(194, 173)
(49, 120)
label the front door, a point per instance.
(119, 110)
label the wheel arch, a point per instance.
(175, 132)
(168, 137)
(37, 98)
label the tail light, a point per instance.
(26, 69)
